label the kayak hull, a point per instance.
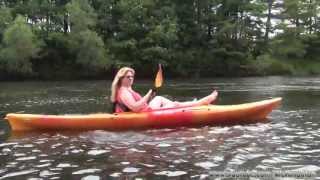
(167, 118)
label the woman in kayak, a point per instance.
(125, 99)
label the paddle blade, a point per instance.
(159, 78)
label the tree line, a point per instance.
(59, 39)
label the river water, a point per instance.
(289, 141)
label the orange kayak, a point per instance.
(165, 118)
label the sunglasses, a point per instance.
(129, 77)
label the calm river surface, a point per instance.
(289, 141)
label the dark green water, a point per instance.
(290, 141)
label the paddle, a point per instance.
(157, 82)
(159, 78)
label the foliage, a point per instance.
(20, 45)
(86, 38)
(89, 49)
(84, 43)
(265, 64)
(82, 15)
(5, 19)
(288, 45)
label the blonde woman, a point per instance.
(125, 99)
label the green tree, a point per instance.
(160, 40)
(268, 29)
(190, 38)
(288, 45)
(5, 19)
(90, 49)
(20, 46)
(82, 15)
(144, 33)
(86, 44)
(296, 24)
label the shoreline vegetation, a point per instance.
(91, 39)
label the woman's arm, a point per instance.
(136, 106)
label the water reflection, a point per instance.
(171, 153)
(290, 141)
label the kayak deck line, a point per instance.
(167, 118)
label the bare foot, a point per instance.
(210, 98)
(213, 96)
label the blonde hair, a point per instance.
(117, 80)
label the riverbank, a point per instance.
(296, 67)
(263, 66)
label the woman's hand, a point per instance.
(150, 95)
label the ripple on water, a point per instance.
(46, 173)
(56, 145)
(147, 165)
(163, 145)
(250, 150)
(12, 165)
(36, 151)
(7, 144)
(206, 164)
(77, 151)
(86, 171)
(125, 163)
(43, 165)
(116, 174)
(6, 150)
(313, 151)
(43, 155)
(312, 168)
(300, 146)
(91, 177)
(26, 158)
(105, 137)
(19, 154)
(131, 170)
(276, 160)
(3, 171)
(239, 159)
(66, 165)
(136, 150)
(171, 173)
(97, 152)
(19, 173)
(217, 130)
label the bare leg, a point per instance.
(204, 101)
(159, 102)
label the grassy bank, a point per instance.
(267, 65)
